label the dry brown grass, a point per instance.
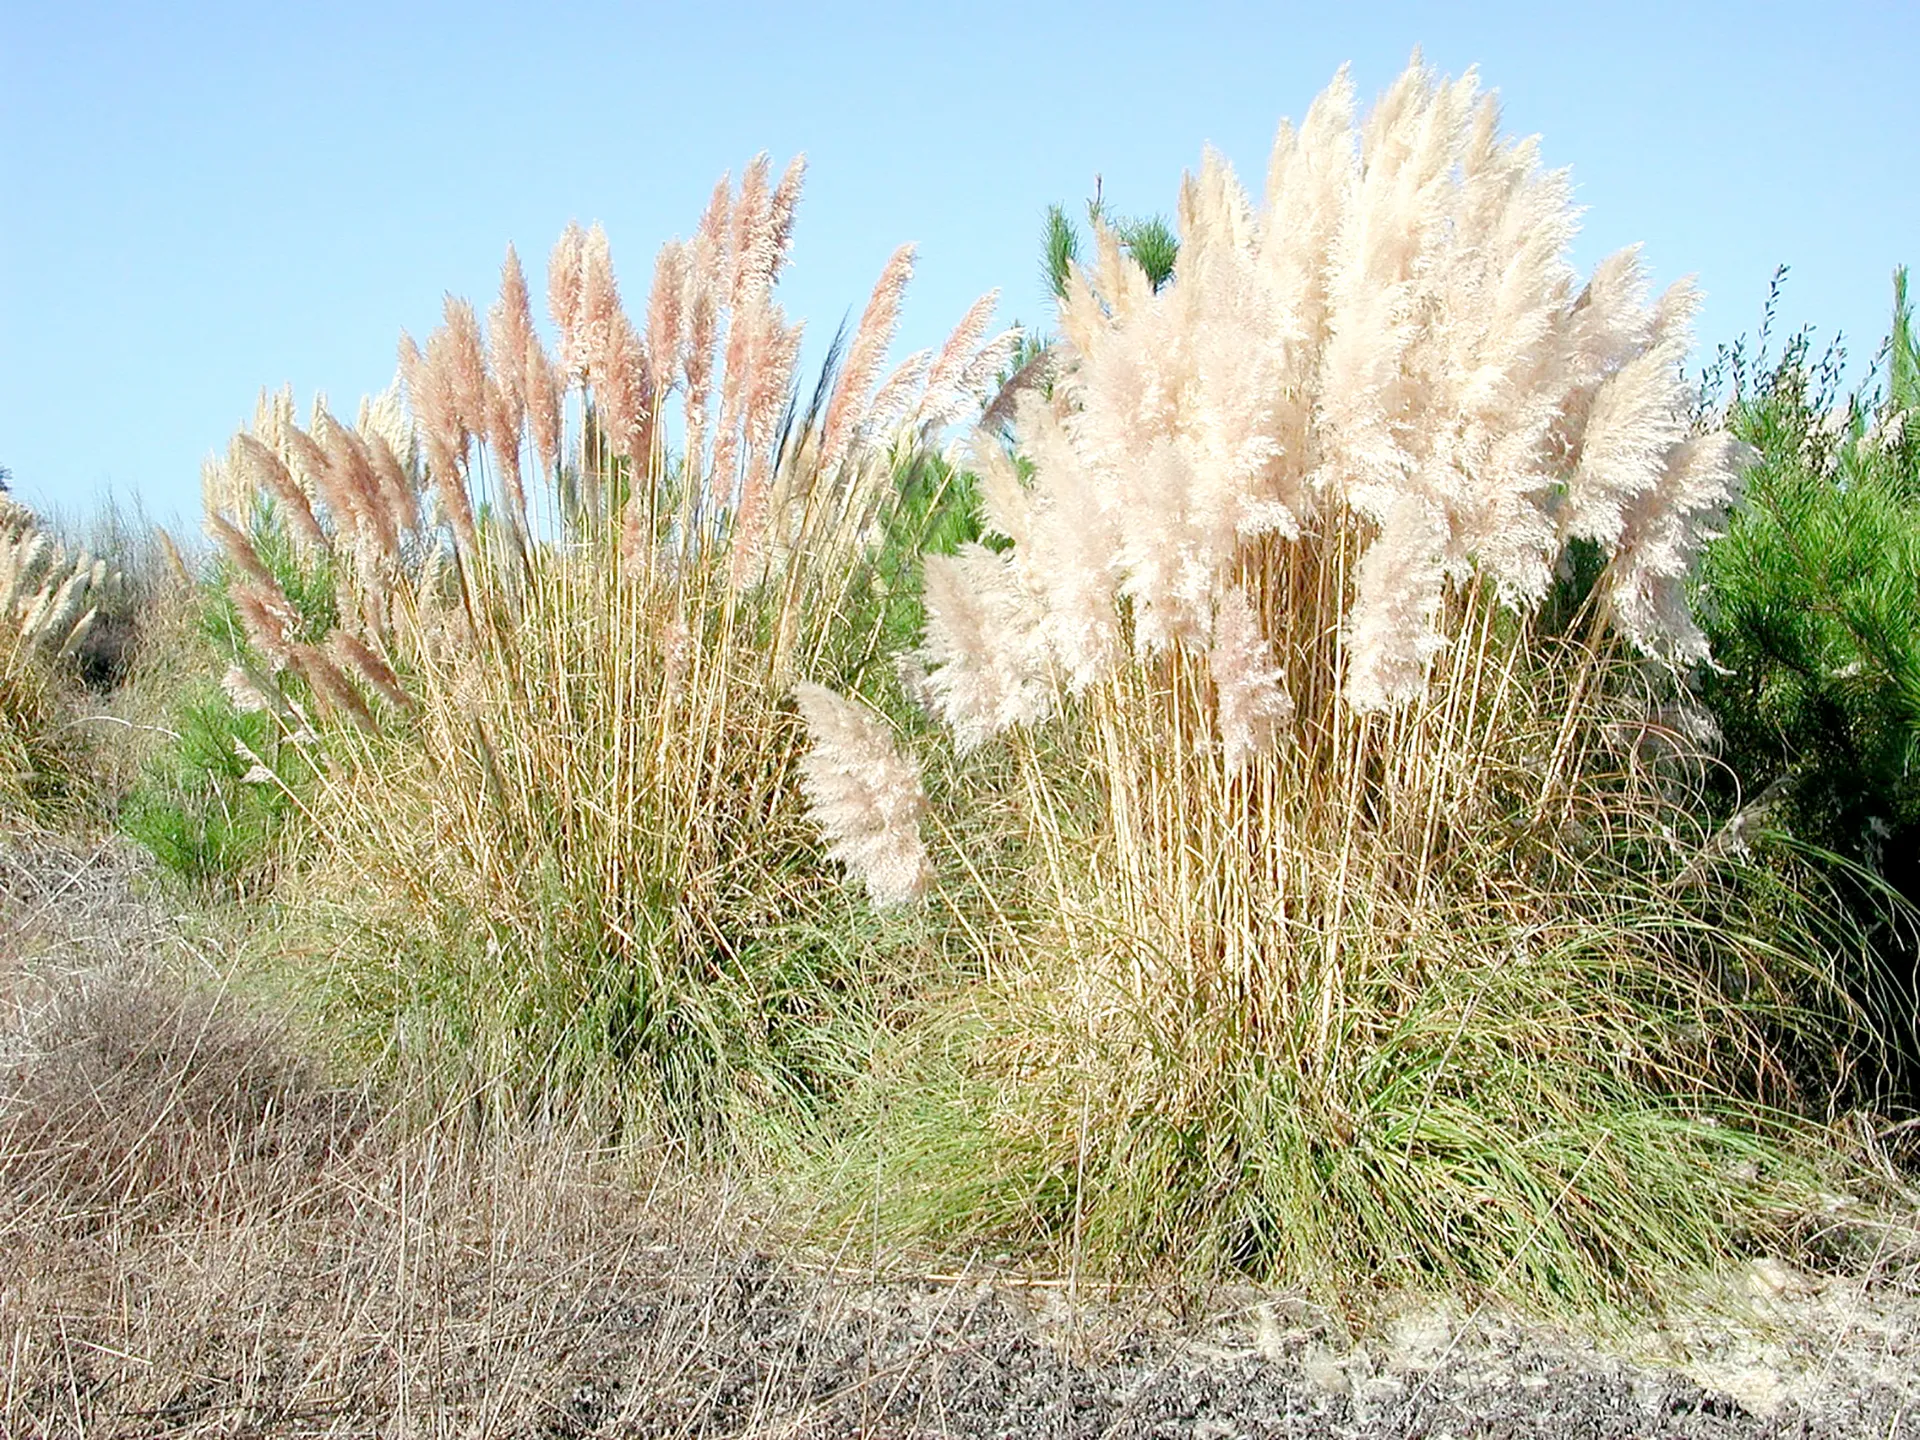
(200, 1236)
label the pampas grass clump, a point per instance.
(558, 605)
(50, 600)
(1330, 680)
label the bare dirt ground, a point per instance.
(200, 1236)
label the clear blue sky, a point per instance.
(200, 199)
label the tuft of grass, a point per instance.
(42, 764)
(1353, 909)
(551, 831)
(204, 1232)
(141, 1101)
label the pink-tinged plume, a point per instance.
(431, 394)
(510, 330)
(666, 315)
(545, 387)
(847, 409)
(707, 279)
(752, 246)
(265, 469)
(463, 361)
(396, 486)
(780, 213)
(509, 333)
(565, 267)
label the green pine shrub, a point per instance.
(1812, 604)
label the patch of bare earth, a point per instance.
(199, 1235)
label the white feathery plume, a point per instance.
(1120, 387)
(1117, 277)
(1310, 181)
(983, 650)
(1887, 430)
(15, 518)
(258, 771)
(1398, 589)
(1165, 564)
(50, 599)
(223, 489)
(545, 386)
(246, 697)
(1637, 416)
(1081, 313)
(61, 612)
(945, 376)
(1394, 343)
(385, 415)
(1113, 467)
(896, 402)
(1237, 393)
(1608, 322)
(1006, 508)
(864, 795)
(273, 413)
(964, 397)
(1393, 241)
(1486, 368)
(354, 656)
(77, 633)
(509, 329)
(1253, 704)
(1071, 566)
(24, 561)
(1663, 530)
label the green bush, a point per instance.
(1814, 610)
(1812, 604)
(196, 809)
(214, 804)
